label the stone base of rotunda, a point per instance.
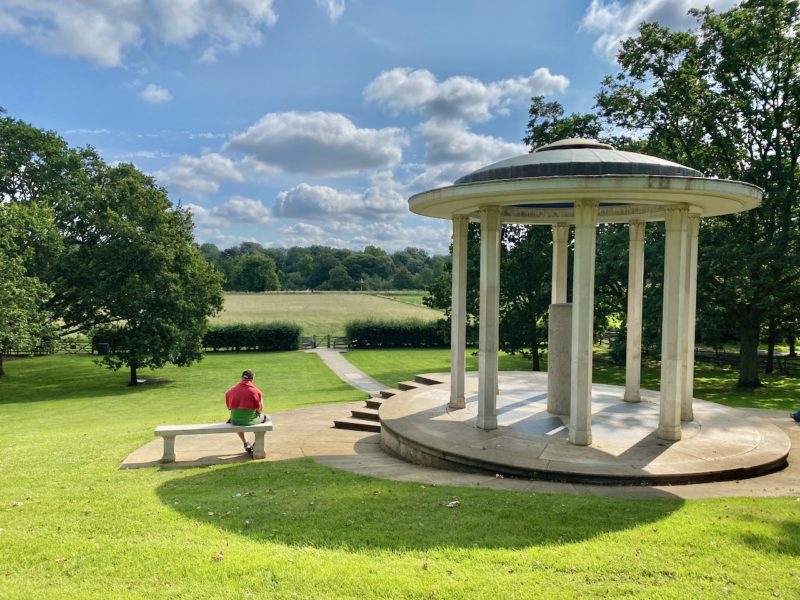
(721, 443)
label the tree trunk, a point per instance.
(770, 347)
(537, 366)
(2, 370)
(792, 348)
(134, 380)
(749, 329)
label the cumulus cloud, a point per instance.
(317, 202)
(239, 209)
(236, 209)
(460, 97)
(155, 94)
(199, 175)
(452, 142)
(615, 21)
(334, 8)
(319, 143)
(102, 30)
(303, 229)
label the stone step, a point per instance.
(367, 414)
(389, 393)
(426, 380)
(357, 424)
(374, 403)
(407, 385)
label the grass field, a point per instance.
(717, 384)
(319, 313)
(74, 526)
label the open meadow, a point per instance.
(320, 314)
(74, 526)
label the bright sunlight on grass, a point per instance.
(320, 314)
(74, 526)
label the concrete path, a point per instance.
(333, 358)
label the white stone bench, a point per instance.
(168, 432)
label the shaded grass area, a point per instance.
(74, 526)
(319, 314)
(717, 384)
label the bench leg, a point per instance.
(258, 446)
(169, 449)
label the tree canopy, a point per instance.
(107, 249)
(725, 99)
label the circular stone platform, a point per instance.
(721, 444)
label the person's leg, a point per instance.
(241, 437)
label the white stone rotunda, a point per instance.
(580, 183)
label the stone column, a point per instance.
(672, 334)
(558, 293)
(489, 317)
(633, 334)
(580, 421)
(690, 296)
(458, 312)
(559, 356)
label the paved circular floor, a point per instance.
(720, 443)
(308, 432)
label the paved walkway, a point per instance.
(308, 432)
(348, 373)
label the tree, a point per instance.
(254, 272)
(126, 257)
(725, 99)
(547, 124)
(403, 279)
(25, 322)
(131, 264)
(526, 264)
(338, 279)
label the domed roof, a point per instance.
(575, 157)
(543, 186)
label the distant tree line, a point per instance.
(250, 267)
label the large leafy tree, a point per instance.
(131, 264)
(126, 257)
(25, 322)
(725, 99)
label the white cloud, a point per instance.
(244, 210)
(452, 142)
(304, 229)
(236, 209)
(458, 97)
(101, 31)
(319, 143)
(334, 8)
(316, 202)
(199, 175)
(615, 21)
(155, 94)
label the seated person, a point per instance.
(244, 402)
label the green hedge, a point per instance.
(373, 333)
(253, 336)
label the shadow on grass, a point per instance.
(787, 540)
(301, 503)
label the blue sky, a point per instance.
(298, 122)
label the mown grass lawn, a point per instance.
(74, 526)
(717, 384)
(319, 314)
